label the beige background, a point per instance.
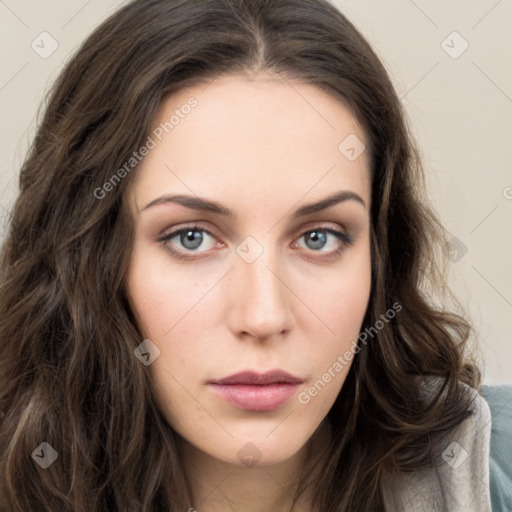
(459, 102)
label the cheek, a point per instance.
(161, 297)
(150, 303)
(163, 307)
(338, 301)
(331, 332)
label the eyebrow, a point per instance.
(202, 204)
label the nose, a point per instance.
(260, 299)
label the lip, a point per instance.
(252, 391)
(251, 377)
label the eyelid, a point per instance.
(176, 230)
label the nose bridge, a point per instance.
(260, 304)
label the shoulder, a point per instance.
(499, 400)
(458, 479)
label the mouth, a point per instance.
(252, 391)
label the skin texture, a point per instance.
(262, 147)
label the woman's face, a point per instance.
(258, 281)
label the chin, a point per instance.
(258, 450)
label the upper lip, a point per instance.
(255, 378)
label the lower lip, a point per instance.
(256, 398)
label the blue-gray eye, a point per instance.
(191, 239)
(317, 239)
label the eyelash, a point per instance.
(346, 240)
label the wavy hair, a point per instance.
(68, 375)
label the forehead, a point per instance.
(257, 137)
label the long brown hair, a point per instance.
(68, 375)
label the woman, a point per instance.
(215, 292)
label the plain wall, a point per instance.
(451, 65)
